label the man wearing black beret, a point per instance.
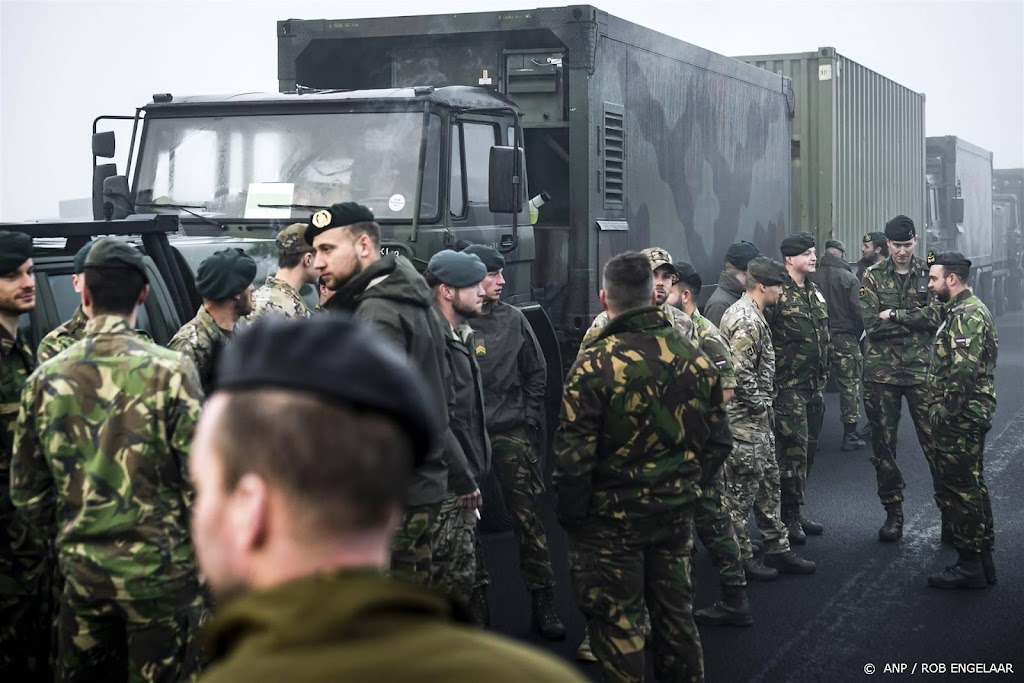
(900, 319)
(393, 297)
(733, 280)
(224, 281)
(803, 349)
(873, 249)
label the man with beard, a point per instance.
(900, 320)
(962, 402)
(732, 282)
(393, 297)
(224, 281)
(873, 249)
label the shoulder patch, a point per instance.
(961, 341)
(863, 291)
(481, 348)
(720, 363)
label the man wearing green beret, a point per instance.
(280, 295)
(24, 579)
(66, 334)
(100, 472)
(224, 281)
(515, 380)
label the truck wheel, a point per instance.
(494, 516)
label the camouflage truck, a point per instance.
(1008, 226)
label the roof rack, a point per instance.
(137, 224)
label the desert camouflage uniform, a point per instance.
(682, 322)
(642, 425)
(277, 297)
(963, 402)
(202, 340)
(100, 465)
(752, 471)
(896, 354)
(62, 337)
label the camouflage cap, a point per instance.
(15, 249)
(337, 216)
(108, 252)
(900, 229)
(81, 255)
(796, 244)
(766, 271)
(457, 268)
(225, 274)
(492, 258)
(739, 254)
(877, 238)
(292, 239)
(658, 258)
(836, 244)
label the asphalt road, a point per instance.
(868, 603)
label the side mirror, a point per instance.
(103, 144)
(100, 173)
(116, 202)
(505, 183)
(956, 209)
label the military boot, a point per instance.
(583, 652)
(851, 440)
(479, 610)
(988, 566)
(733, 610)
(791, 518)
(892, 529)
(755, 570)
(810, 528)
(865, 432)
(966, 573)
(545, 618)
(789, 563)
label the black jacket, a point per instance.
(466, 407)
(727, 293)
(841, 290)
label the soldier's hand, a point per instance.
(884, 315)
(472, 501)
(727, 395)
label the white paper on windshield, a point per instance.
(268, 193)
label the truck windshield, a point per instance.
(230, 165)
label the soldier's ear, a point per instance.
(604, 301)
(143, 295)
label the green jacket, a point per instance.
(800, 334)
(642, 423)
(62, 336)
(362, 627)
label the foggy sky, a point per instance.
(64, 63)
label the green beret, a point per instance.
(492, 258)
(15, 249)
(876, 238)
(292, 239)
(108, 252)
(225, 274)
(338, 216)
(900, 229)
(836, 244)
(81, 255)
(457, 269)
(766, 271)
(739, 254)
(796, 244)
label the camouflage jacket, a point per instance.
(682, 322)
(100, 461)
(963, 362)
(62, 337)
(745, 329)
(897, 351)
(803, 345)
(642, 423)
(277, 297)
(21, 553)
(716, 348)
(202, 340)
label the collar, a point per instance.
(636, 320)
(749, 302)
(345, 298)
(108, 324)
(959, 299)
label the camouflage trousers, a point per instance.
(130, 640)
(884, 403)
(26, 637)
(798, 417)
(624, 570)
(519, 475)
(412, 547)
(458, 556)
(848, 367)
(960, 487)
(752, 483)
(714, 527)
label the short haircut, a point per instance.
(342, 470)
(628, 281)
(369, 228)
(114, 291)
(289, 260)
(962, 272)
(835, 251)
(431, 279)
(691, 288)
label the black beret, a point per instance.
(878, 238)
(108, 252)
(457, 268)
(224, 274)
(689, 275)
(948, 258)
(766, 271)
(357, 369)
(797, 243)
(739, 254)
(15, 249)
(81, 255)
(492, 258)
(836, 244)
(900, 229)
(338, 216)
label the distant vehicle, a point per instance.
(1008, 229)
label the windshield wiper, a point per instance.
(186, 208)
(310, 207)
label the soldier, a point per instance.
(224, 281)
(400, 306)
(455, 279)
(25, 607)
(63, 336)
(752, 470)
(800, 334)
(280, 296)
(873, 249)
(732, 282)
(515, 380)
(961, 406)
(899, 322)
(324, 294)
(300, 542)
(642, 428)
(840, 288)
(711, 518)
(100, 469)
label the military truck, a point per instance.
(1008, 228)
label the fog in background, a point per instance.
(64, 63)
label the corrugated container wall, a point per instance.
(857, 149)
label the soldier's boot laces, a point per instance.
(988, 566)
(479, 610)
(892, 529)
(789, 563)
(755, 570)
(966, 573)
(583, 652)
(733, 610)
(851, 439)
(545, 618)
(791, 518)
